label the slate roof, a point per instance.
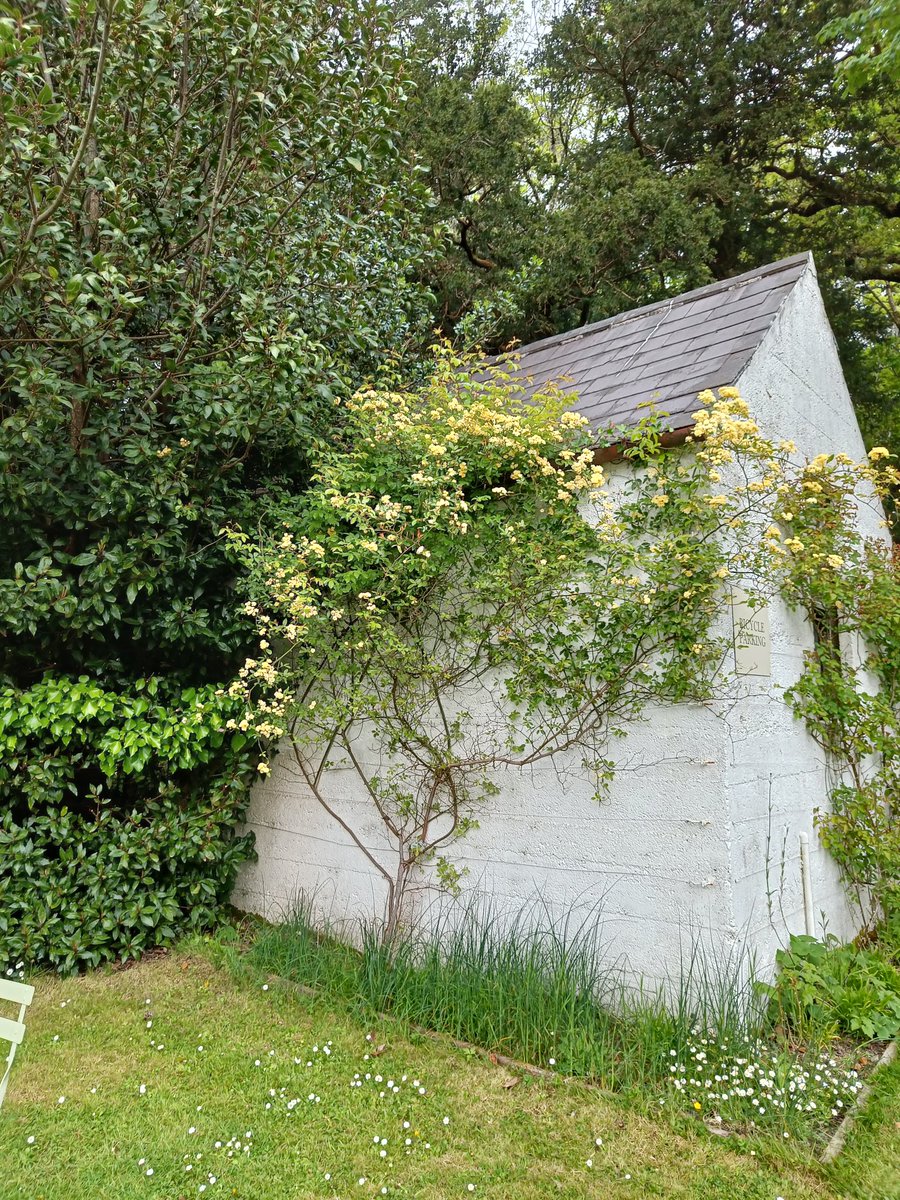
(665, 352)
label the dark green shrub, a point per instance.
(77, 889)
(889, 935)
(118, 815)
(172, 330)
(208, 236)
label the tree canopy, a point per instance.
(207, 234)
(626, 152)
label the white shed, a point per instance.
(700, 835)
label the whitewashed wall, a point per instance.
(653, 859)
(700, 835)
(776, 775)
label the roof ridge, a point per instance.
(719, 285)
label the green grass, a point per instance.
(529, 988)
(549, 995)
(88, 1041)
(869, 1166)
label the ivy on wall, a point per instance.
(848, 694)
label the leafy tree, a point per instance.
(469, 122)
(872, 36)
(207, 233)
(745, 95)
(637, 149)
(742, 105)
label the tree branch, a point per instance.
(44, 215)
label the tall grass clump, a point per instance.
(522, 986)
(531, 986)
(304, 949)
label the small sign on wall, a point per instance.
(752, 647)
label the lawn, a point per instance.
(177, 1078)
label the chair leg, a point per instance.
(5, 1078)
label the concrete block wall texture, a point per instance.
(698, 839)
(777, 777)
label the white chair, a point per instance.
(13, 1031)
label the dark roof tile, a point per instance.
(665, 352)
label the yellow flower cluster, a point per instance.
(468, 445)
(460, 419)
(725, 427)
